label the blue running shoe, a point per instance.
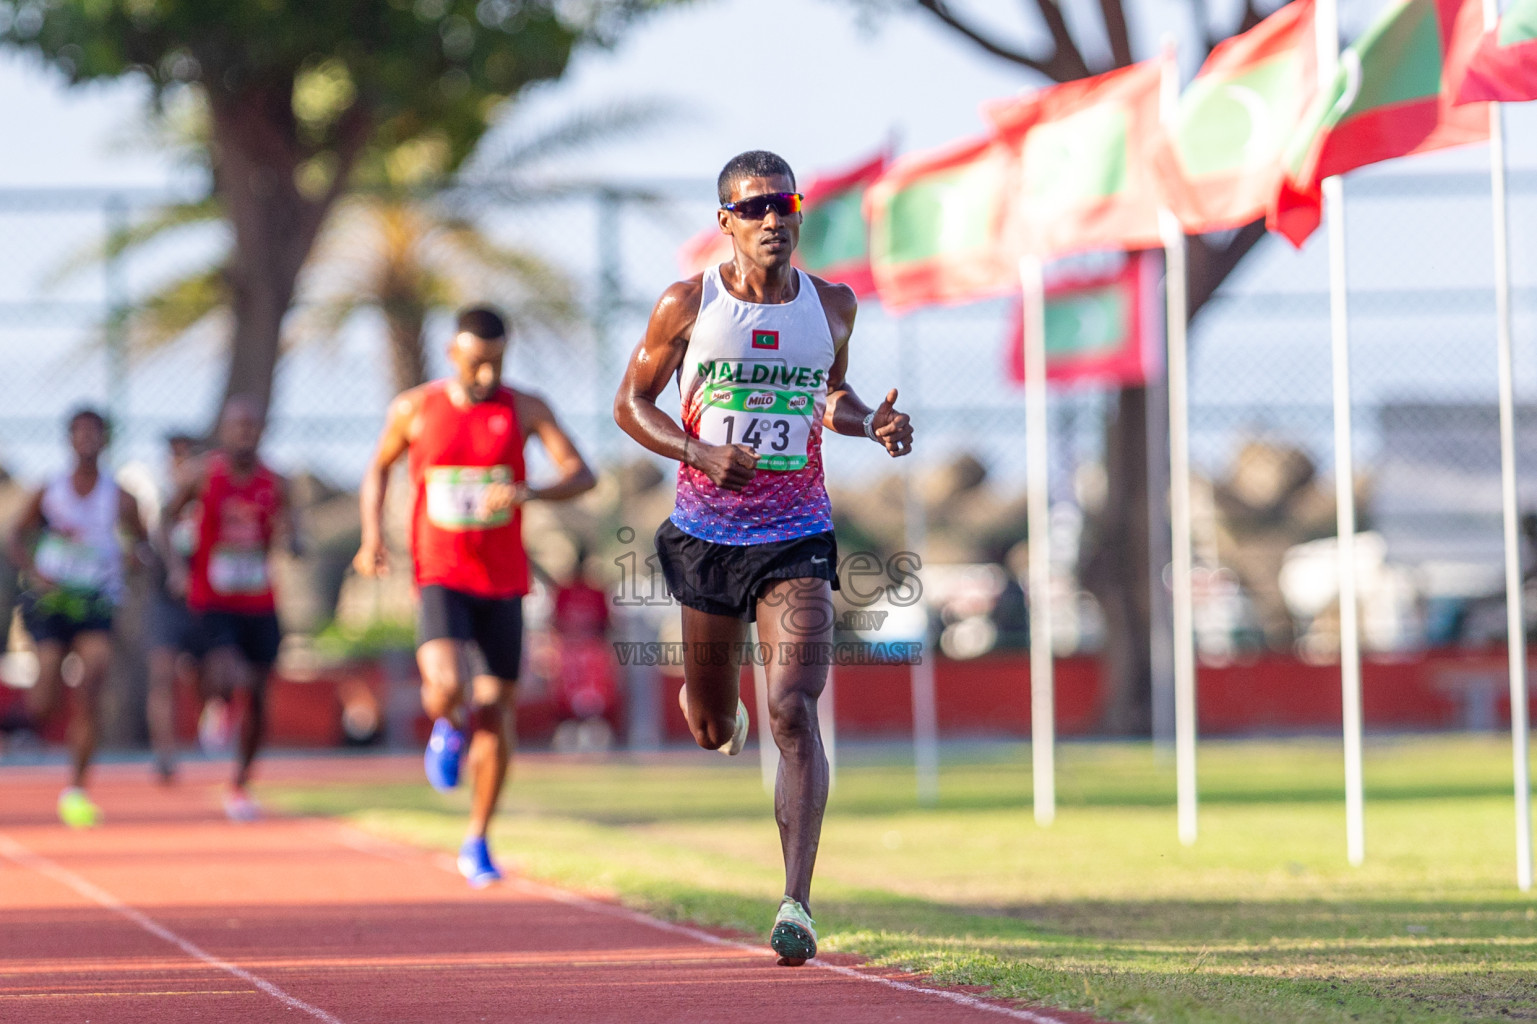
(475, 864)
(442, 759)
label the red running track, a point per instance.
(167, 913)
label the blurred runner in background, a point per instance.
(465, 437)
(244, 507)
(175, 641)
(67, 547)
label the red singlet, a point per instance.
(457, 453)
(228, 571)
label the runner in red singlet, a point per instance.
(465, 438)
(244, 507)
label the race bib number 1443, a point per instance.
(775, 424)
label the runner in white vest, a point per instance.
(66, 546)
(760, 350)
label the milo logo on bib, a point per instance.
(775, 424)
(457, 497)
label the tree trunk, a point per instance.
(1116, 563)
(1115, 568)
(257, 157)
(408, 359)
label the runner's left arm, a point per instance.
(575, 476)
(845, 413)
(132, 523)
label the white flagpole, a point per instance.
(921, 672)
(1515, 619)
(1326, 30)
(1038, 524)
(1175, 305)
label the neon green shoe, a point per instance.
(76, 809)
(795, 936)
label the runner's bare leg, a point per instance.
(47, 693)
(253, 726)
(712, 674)
(95, 650)
(492, 732)
(798, 612)
(160, 704)
(442, 688)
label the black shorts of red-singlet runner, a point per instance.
(493, 624)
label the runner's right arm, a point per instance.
(372, 559)
(18, 544)
(655, 360)
(188, 490)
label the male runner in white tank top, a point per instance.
(66, 545)
(760, 350)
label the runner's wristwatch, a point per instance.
(870, 427)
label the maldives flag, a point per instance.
(707, 249)
(937, 226)
(1504, 65)
(1394, 95)
(1102, 327)
(835, 237)
(1219, 165)
(1085, 150)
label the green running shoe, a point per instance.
(76, 809)
(794, 937)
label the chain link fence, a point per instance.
(1423, 378)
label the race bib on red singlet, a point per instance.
(775, 424)
(456, 497)
(236, 571)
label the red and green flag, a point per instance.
(938, 223)
(1102, 327)
(835, 236)
(1219, 163)
(1394, 95)
(1084, 149)
(707, 249)
(1503, 67)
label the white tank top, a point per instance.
(79, 547)
(756, 374)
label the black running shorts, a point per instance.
(493, 624)
(729, 579)
(256, 635)
(172, 624)
(61, 614)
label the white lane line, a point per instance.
(356, 839)
(15, 852)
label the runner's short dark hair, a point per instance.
(755, 163)
(483, 322)
(87, 412)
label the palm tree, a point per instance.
(401, 244)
